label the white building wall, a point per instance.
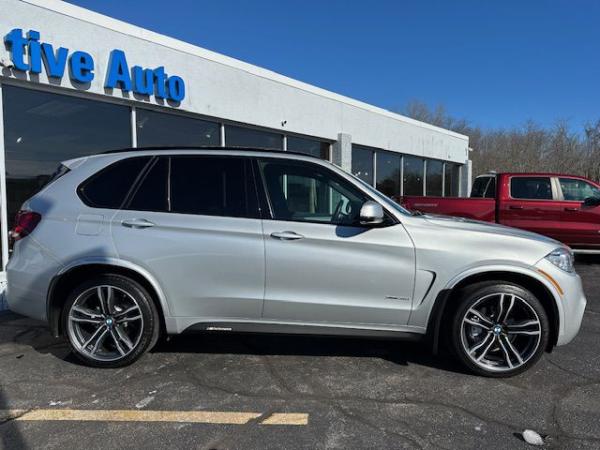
(222, 87)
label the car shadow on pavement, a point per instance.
(402, 353)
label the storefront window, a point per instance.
(248, 137)
(388, 174)
(362, 163)
(42, 129)
(452, 179)
(156, 129)
(413, 175)
(434, 177)
(311, 147)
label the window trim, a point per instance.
(552, 187)
(389, 218)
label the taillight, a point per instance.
(25, 223)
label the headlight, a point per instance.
(562, 258)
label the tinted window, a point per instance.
(151, 195)
(109, 187)
(388, 174)
(413, 175)
(156, 129)
(248, 137)
(311, 147)
(531, 188)
(434, 177)
(578, 190)
(452, 179)
(490, 192)
(42, 129)
(362, 164)
(480, 186)
(308, 193)
(212, 186)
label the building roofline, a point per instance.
(95, 18)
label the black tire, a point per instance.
(147, 331)
(527, 303)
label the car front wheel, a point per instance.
(110, 321)
(499, 329)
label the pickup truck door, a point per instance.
(531, 204)
(580, 223)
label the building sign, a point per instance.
(29, 54)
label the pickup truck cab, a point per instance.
(563, 207)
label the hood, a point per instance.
(461, 223)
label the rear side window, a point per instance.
(531, 188)
(212, 186)
(109, 187)
(484, 187)
(203, 185)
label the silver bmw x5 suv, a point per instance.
(122, 247)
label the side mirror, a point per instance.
(591, 202)
(371, 213)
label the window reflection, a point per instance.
(434, 177)
(388, 174)
(41, 129)
(248, 137)
(413, 175)
(307, 146)
(362, 163)
(156, 129)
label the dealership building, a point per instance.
(74, 82)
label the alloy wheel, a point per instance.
(105, 323)
(500, 332)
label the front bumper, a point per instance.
(570, 303)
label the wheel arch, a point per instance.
(75, 273)
(446, 301)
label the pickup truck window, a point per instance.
(577, 190)
(484, 187)
(531, 188)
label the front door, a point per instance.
(193, 224)
(580, 223)
(322, 266)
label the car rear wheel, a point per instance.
(110, 321)
(499, 329)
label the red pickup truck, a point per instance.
(563, 207)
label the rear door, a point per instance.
(322, 266)
(580, 223)
(531, 205)
(193, 223)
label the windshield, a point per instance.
(389, 202)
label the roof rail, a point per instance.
(207, 147)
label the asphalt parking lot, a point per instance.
(217, 392)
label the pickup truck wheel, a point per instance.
(499, 329)
(110, 321)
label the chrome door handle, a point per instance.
(515, 207)
(286, 235)
(137, 223)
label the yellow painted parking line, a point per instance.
(127, 415)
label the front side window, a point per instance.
(577, 190)
(309, 193)
(531, 188)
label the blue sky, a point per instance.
(496, 63)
